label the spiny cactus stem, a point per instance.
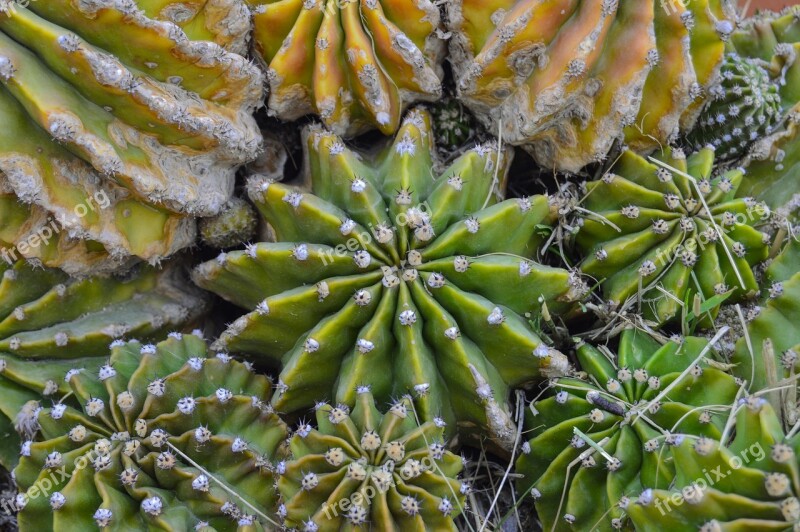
(590, 442)
(221, 484)
(722, 332)
(585, 454)
(693, 181)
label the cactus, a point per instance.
(747, 483)
(162, 436)
(769, 350)
(138, 114)
(234, 226)
(453, 125)
(651, 233)
(604, 434)
(383, 266)
(565, 79)
(368, 469)
(743, 107)
(49, 324)
(356, 64)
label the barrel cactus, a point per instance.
(566, 78)
(744, 107)
(355, 64)
(369, 469)
(605, 434)
(382, 265)
(50, 324)
(669, 229)
(145, 120)
(164, 436)
(749, 482)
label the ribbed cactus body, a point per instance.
(164, 436)
(385, 265)
(113, 113)
(50, 324)
(368, 469)
(747, 483)
(744, 107)
(566, 79)
(600, 438)
(664, 233)
(356, 64)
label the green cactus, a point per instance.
(565, 79)
(234, 226)
(453, 125)
(164, 437)
(368, 469)
(743, 107)
(747, 483)
(384, 266)
(355, 64)
(50, 323)
(603, 435)
(668, 234)
(101, 101)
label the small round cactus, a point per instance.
(453, 125)
(383, 265)
(665, 232)
(371, 470)
(234, 226)
(355, 64)
(162, 436)
(744, 106)
(747, 483)
(566, 79)
(605, 433)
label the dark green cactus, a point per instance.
(50, 323)
(748, 482)
(669, 229)
(232, 227)
(743, 107)
(603, 434)
(164, 436)
(364, 469)
(453, 124)
(385, 266)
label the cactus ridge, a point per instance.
(356, 64)
(162, 436)
(670, 225)
(101, 100)
(565, 79)
(747, 483)
(619, 418)
(366, 468)
(385, 266)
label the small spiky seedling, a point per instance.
(50, 323)
(163, 436)
(368, 470)
(566, 79)
(743, 107)
(665, 233)
(232, 227)
(453, 124)
(384, 266)
(605, 433)
(356, 64)
(150, 115)
(751, 482)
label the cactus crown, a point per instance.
(355, 64)
(164, 436)
(619, 417)
(750, 481)
(364, 468)
(744, 106)
(671, 227)
(384, 266)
